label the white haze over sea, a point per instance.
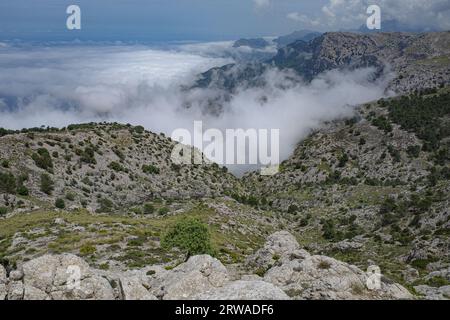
(64, 84)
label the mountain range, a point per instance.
(367, 190)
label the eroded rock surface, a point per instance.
(290, 272)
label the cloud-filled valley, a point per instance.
(56, 86)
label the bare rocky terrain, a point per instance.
(294, 275)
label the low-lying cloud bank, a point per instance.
(134, 84)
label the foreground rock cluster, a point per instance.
(291, 273)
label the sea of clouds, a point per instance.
(141, 85)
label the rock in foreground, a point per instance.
(291, 273)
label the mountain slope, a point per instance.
(418, 60)
(101, 167)
(375, 187)
(369, 190)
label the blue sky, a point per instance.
(166, 20)
(152, 20)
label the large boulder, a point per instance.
(304, 276)
(132, 288)
(40, 272)
(198, 274)
(278, 246)
(244, 290)
(63, 277)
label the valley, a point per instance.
(367, 190)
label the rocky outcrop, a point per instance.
(305, 276)
(132, 288)
(68, 277)
(244, 290)
(291, 273)
(64, 277)
(199, 274)
(433, 293)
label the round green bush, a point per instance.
(23, 191)
(60, 204)
(189, 235)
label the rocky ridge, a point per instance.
(418, 61)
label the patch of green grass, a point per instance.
(87, 250)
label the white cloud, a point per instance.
(62, 85)
(348, 14)
(304, 19)
(259, 4)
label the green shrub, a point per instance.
(3, 211)
(60, 204)
(139, 129)
(42, 159)
(70, 196)
(105, 204)
(395, 154)
(343, 159)
(104, 266)
(328, 229)
(189, 235)
(382, 123)
(87, 250)
(163, 211)
(7, 183)
(47, 184)
(423, 115)
(389, 205)
(252, 201)
(5, 163)
(23, 191)
(438, 281)
(87, 155)
(119, 154)
(292, 208)
(116, 167)
(421, 263)
(414, 151)
(149, 208)
(150, 169)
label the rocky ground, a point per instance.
(292, 273)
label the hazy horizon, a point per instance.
(202, 20)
